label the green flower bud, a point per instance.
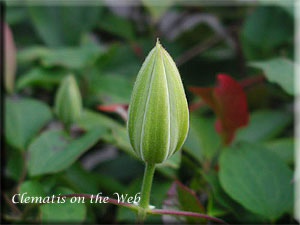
(158, 119)
(68, 103)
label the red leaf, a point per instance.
(118, 108)
(228, 100)
(245, 83)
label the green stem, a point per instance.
(146, 190)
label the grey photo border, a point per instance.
(222, 3)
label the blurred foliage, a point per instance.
(103, 46)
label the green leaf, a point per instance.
(264, 125)
(68, 57)
(54, 151)
(79, 177)
(24, 117)
(257, 178)
(111, 88)
(15, 15)
(220, 198)
(31, 54)
(202, 141)
(218, 193)
(288, 6)
(49, 183)
(13, 163)
(279, 71)
(32, 188)
(63, 212)
(117, 136)
(109, 184)
(117, 25)
(283, 147)
(71, 58)
(91, 119)
(58, 26)
(128, 66)
(40, 77)
(265, 29)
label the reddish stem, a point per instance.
(12, 205)
(196, 105)
(185, 213)
(151, 211)
(251, 80)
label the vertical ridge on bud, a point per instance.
(138, 101)
(155, 133)
(158, 113)
(179, 106)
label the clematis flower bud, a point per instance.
(68, 103)
(158, 118)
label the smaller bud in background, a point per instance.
(9, 59)
(68, 103)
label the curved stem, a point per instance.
(151, 211)
(146, 190)
(185, 213)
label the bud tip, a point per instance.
(157, 42)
